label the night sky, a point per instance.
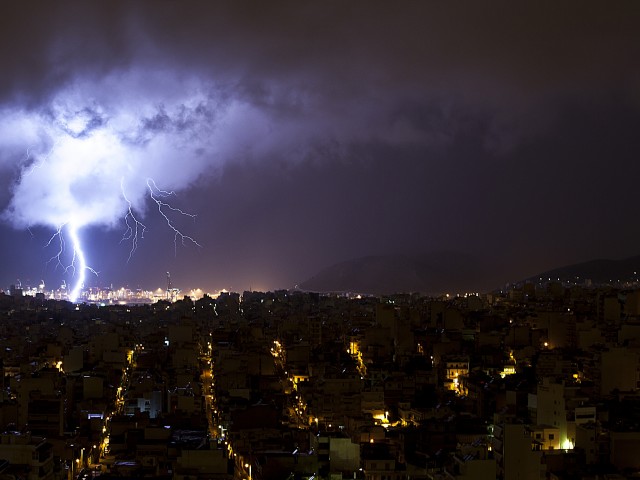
(302, 134)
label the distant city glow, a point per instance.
(110, 296)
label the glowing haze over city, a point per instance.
(250, 145)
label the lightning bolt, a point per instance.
(78, 254)
(134, 231)
(78, 262)
(37, 164)
(135, 228)
(157, 195)
(57, 257)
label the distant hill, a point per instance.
(599, 271)
(433, 274)
(449, 272)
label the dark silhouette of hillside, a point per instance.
(598, 271)
(450, 272)
(434, 274)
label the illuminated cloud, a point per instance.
(95, 146)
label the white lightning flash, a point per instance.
(134, 228)
(156, 194)
(78, 254)
(77, 265)
(134, 231)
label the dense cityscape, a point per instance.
(537, 381)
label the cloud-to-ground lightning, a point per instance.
(82, 267)
(77, 264)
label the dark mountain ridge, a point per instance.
(451, 272)
(599, 271)
(434, 274)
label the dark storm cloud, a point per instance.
(286, 54)
(47, 43)
(423, 123)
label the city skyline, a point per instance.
(531, 382)
(297, 136)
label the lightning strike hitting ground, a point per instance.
(77, 264)
(78, 255)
